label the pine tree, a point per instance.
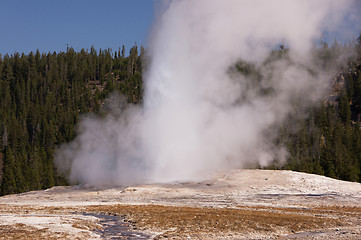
(8, 183)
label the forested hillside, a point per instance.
(41, 99)
(324, 138)
(328, 141)
(43, 95)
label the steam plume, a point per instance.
(198, 114)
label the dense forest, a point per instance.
(324, 138)
(43, 95)
(41, 99)
(328, 141)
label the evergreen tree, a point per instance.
(41, 99)
(8, 183)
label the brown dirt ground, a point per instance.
(22, 231)
(199, 221)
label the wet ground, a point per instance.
(237, 204)
(116, 227)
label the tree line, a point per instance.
(41, 99)
(42, 96)
(328, 141)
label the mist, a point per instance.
(200, 115)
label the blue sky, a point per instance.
(49, 25)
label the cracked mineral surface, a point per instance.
(237, 204)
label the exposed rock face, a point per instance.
(240, 204)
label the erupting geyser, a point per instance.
(197, 115)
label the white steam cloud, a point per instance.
(199, 115)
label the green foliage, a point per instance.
(41, 98)
(329, 141)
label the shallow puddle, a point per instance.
(114, 227)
